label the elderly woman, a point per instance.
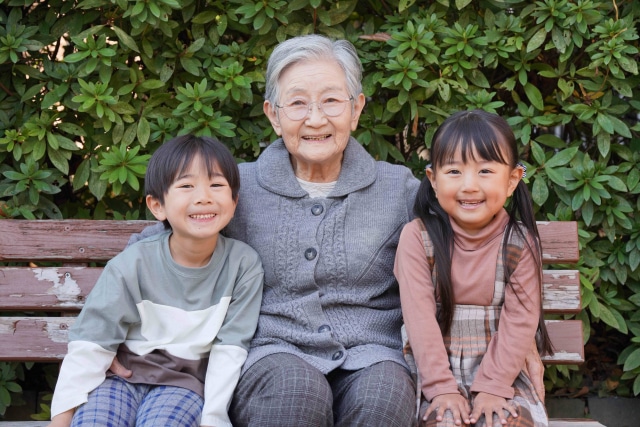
(325, 218)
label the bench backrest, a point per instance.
(48, 267)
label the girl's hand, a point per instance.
(454, 402)
(488, 404)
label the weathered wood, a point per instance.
(566, 337)
(45, 339)
(561, 291)
(47, 288)
(40, 339)
(559, 241)
(64, 240)
(100, 240)
(65, 288)
(574, 422)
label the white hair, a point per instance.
(313, 47)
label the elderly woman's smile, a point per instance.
(316, 138)
(315, 115)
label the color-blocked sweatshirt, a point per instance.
(170, 324)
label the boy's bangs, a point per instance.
(206, 156)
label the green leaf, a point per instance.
(191, 65)
(540, 191)
(5, 397)
(605, 123)
(550, 140)
(538, 153)
(52, 141)
(561, 158)
(608, 318)
(76, 57)
(534, 95)
(617, 184)
(620, 127)
(633, 361)
(59, 160)
(537, 40)
(143, 131)
(555, 176)
(461, 4)
(629, 65)
(152, 84)
(205, 17)
(81, 175)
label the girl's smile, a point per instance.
(473, 192)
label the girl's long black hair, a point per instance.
(481, 134)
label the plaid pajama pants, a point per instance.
(117, 403)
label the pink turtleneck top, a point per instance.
(473, 276)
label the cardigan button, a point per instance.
(337, 355)
(317, 209)
(324, 328)
(310, 254)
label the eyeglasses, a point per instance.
(330, 107)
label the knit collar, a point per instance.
(275, 173)
(494, 229)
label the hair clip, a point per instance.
(427, 167)
(524, 169)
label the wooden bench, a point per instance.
(48, 268)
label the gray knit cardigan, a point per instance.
(330, 295)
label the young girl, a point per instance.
(466, 264)
(178, 308)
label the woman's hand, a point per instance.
(117, 368)
(488, 404)
(454, 402)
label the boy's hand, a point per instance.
(454, 402)
(488, 404)
(63, 419)
(117, 368)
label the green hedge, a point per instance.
(89, 89)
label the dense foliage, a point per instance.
(89, 89)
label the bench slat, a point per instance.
(566, 337)
(574, 422)
(66, 288)
(46, 289)
(45, 338)
(560, 243)
(561, 291)
(100, 240)
(41, 339)
(65, 240)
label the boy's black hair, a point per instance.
(476, 133)
(173, 157)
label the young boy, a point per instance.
(178, 308)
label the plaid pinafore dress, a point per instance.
(467, 342)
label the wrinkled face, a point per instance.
(472, 193)
(197, 206)
(318, 139)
